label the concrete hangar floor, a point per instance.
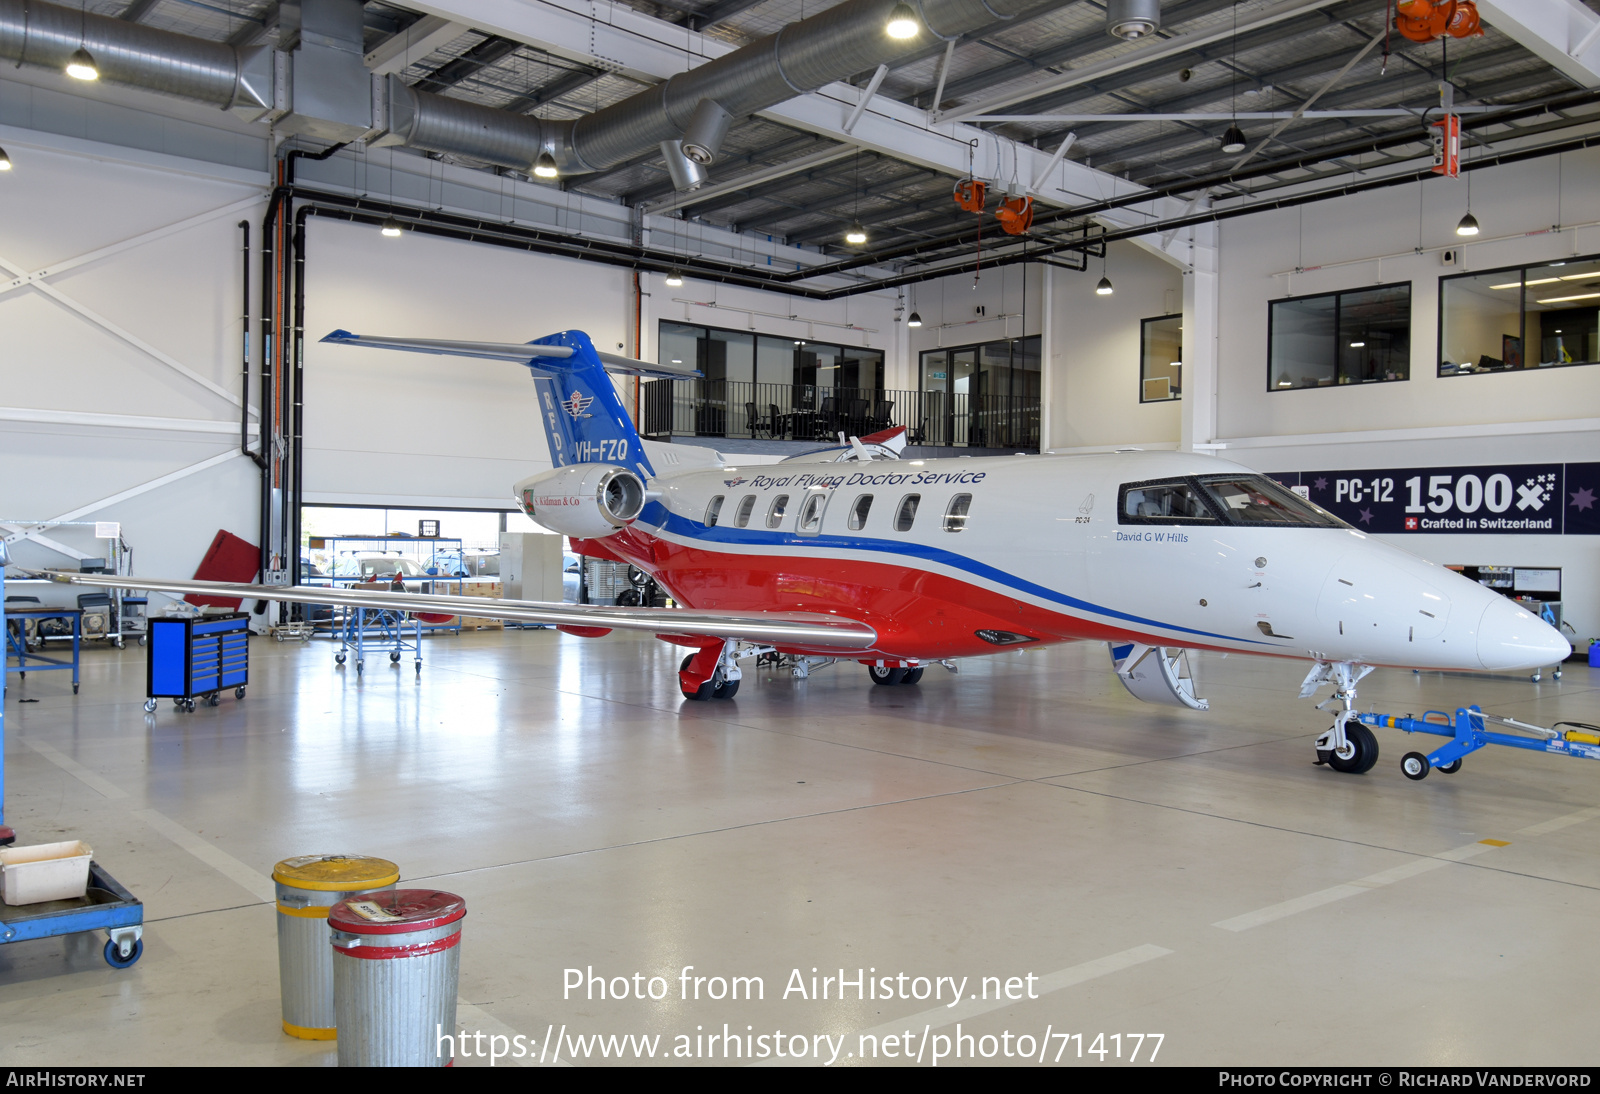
(1140, 870)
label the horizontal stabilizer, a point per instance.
(807, 629)
(518, 352)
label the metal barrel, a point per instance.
(396, 963)
(307, 887)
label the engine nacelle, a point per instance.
(584, 501)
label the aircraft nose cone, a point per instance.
(1510, 638)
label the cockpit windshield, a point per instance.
(1253, 500)
(1256, 499)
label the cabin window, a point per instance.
(859, 511)
(907, 512)
(811, 514)
(741, 519)
(1163, 503)
(775, 513)
(955, 517)
(713, 510)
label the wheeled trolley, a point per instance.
(193, 660)
(105, 906)
(381, 627)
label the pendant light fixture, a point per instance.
(1469, 223)
(545, 166)
(674, 279)
(1233, 141)
(1103, 287)
(391, 227)
(902, 21)
(857, 234)
(915, 320)
(81, 66)
(5, 160)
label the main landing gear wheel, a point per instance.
(1414, 765)
(913, 675)
(714, 688)
(1363, 751)
(882, 674)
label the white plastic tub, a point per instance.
(46, 871)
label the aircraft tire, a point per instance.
(914, 675)
(1414, 766)
(882, 674)
(1364, 756)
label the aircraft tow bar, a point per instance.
(1469, 731)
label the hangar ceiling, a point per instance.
(1044, 62)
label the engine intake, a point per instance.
(584, 501)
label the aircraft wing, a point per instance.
(783, 628)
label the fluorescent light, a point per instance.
(1564, 299)
(1357, 345)
(1519, 284)
(676, 361)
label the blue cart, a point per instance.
(196, 659)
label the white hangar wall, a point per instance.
(1535, 416)
(120, 315)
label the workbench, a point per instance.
(17, 641)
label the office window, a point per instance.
(1161, 359)
(1522, 317)
(1362, 336)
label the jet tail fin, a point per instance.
(584, 419)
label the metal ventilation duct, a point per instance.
(36, 33)
(798, 59)
(1133, 19)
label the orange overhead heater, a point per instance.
(1425, 20)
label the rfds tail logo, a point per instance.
(577, 403)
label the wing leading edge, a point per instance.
(810, 629)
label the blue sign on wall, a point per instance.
(1515, 499)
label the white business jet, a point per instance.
(854, 554)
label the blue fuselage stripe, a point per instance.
(658, 516)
